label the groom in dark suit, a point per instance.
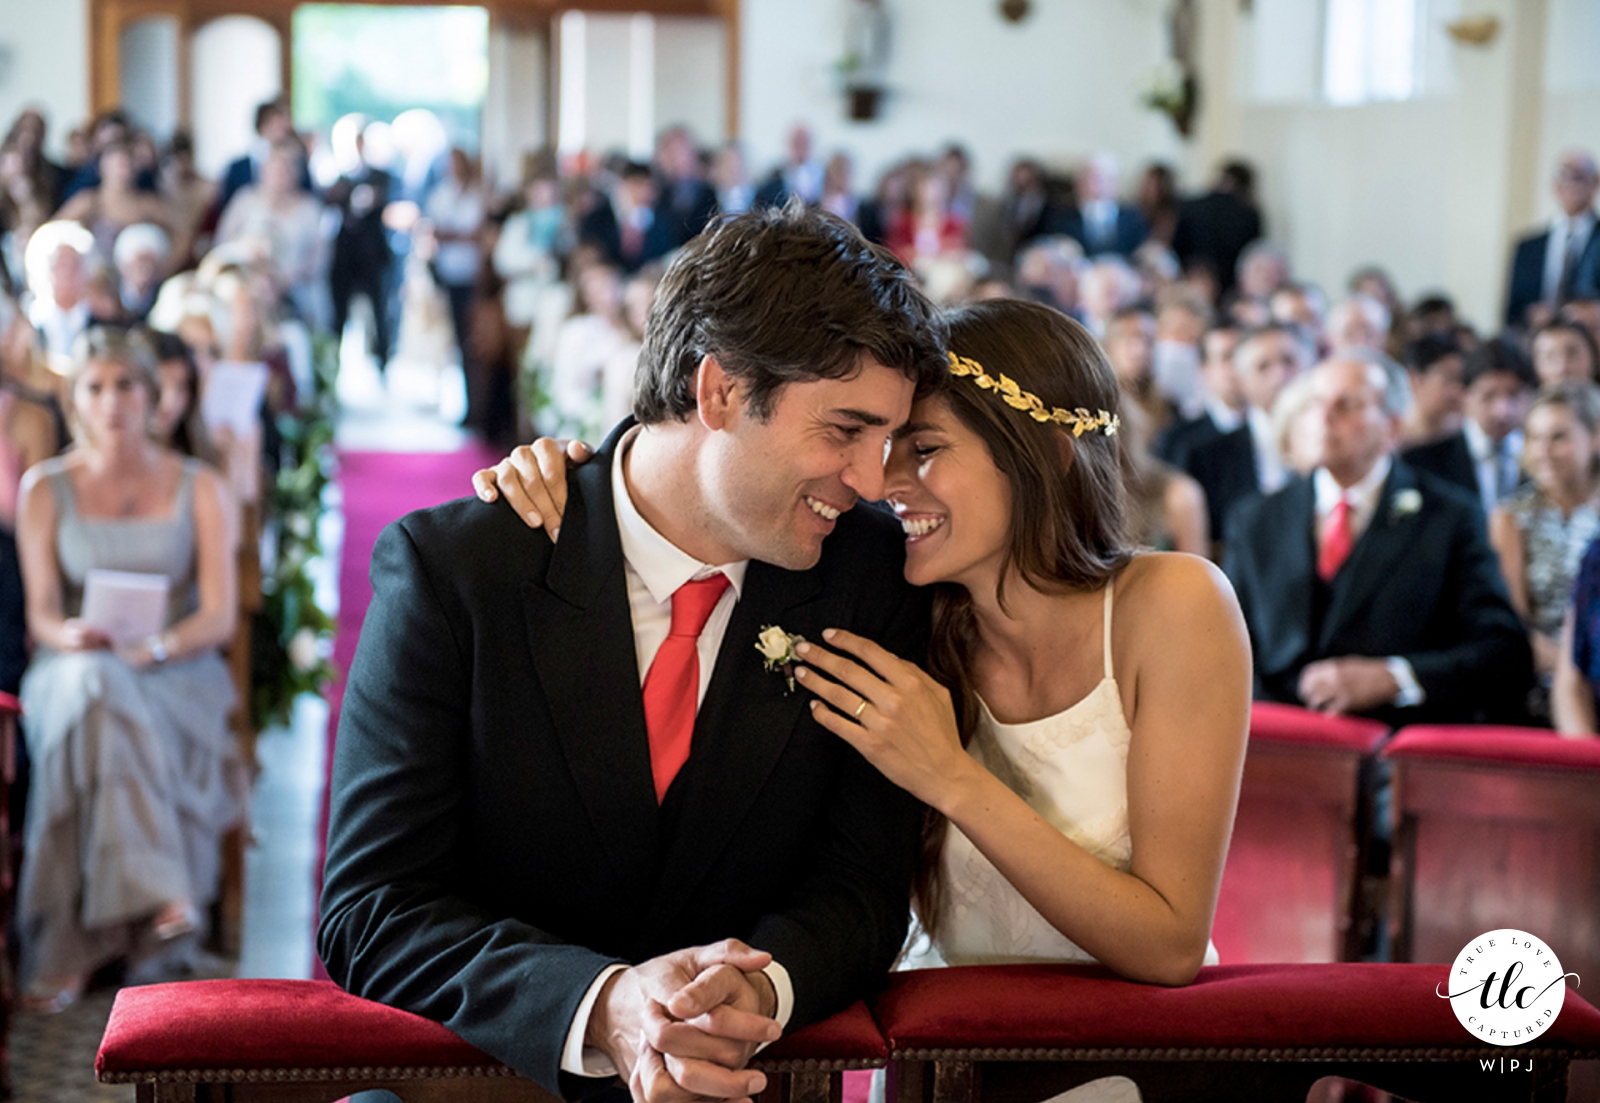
(531, 848)
(1370, 587)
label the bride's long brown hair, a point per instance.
(1068, 505)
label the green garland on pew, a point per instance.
(291, 637)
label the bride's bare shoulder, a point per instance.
(1160, 591)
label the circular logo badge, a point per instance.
(1506, 987)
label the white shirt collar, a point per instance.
(1481, 447)
(1222, 415)
(659, 563)
(1363, 496)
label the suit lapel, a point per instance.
(744, 724)
(1290, 557)
(1369, 566)
(580, 632)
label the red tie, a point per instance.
(1336, 543)
(672, 687)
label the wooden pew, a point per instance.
(1292, 887)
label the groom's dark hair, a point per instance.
(782, 295)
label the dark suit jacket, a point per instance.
(1422, 584)
(1183, 437)
(601, 229)
(362, 243)
(495, 840)
(1526, 284)
(1225, 468)
(684, 211)
(1215, 228)
(1131, 230)
(1448, 458)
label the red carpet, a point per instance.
(377, 488)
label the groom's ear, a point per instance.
(716, 394)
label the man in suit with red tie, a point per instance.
(563, 772)
(1369, 587)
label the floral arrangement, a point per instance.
(292, 637)
(1172, 90)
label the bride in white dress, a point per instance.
(1081, 729)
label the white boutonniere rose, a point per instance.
(777, 648)
(1406, 502)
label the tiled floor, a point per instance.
(52, 1057)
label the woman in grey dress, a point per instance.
(135, 772)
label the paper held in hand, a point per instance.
(125, 605)
(233, 394)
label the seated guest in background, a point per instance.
(1158, 201)
(731, 180)
(58, 276)
(1576, 684)
(1369, 587)
(1374, 283)
(584, 344)
(1358, 323)
(800, 174)
(1564, 352)
(273, 125)
(1109, 284)
(1563, 261)
(1181, 321)
(284, 223)
(528, 252)
(129, 852)
(1585, 310)
(1099, 222)
(189, 196)
(1223, 398)
(1166, 508)
(838, 195)
(117, 202)
(1301, 304)
(178, 424)
(686, 202)
(1213, 229)
(930, 227)
(1434, 365)
(1050, 271)
(1263, 269)
(1130, 346)
(1542, 532)
(141, 256)
(1246, 461)
(1297, 425)
(1483, 457)
(624, 227)
(1024, 209)
(1432, 316)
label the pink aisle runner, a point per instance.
(377, 488)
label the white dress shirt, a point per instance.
(655, 568)
(1565, 233)
(1364, 497)
(1493, 475)
(59, 329)
(1223, 416)
(1271, 473)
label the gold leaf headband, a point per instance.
(1080, 421)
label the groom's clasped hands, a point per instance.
(682, 1026)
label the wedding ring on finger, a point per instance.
(862, 707)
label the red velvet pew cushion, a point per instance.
(1491, 745)
(1271, 722)
(1228, 1006)
(9, 705)
(294, 1024)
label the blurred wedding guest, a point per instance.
(135, 771)
(1246, 462)
(1214, 228)
(1050, 271)
(624, 226)
(1263, 268)
(1157, 269)
(1166, 508)
(686, 202)
(1223, 401)
(178, 424)
(1368, 587)
(115, 202)
(285, 223)
(619, 369)
(1158, 201)
(799, 174)
(58, 276)
(361, 253)
(27, 137)
(583, 345)
(1358, 323)
(1563, 260)
(930, 227)
(189, 196)
(1576, 684)
(141, 254)
(1024, 209)
(273, 125)
(1483, 457)
(887, 205)
(731, 180)
(1297, 425)
(1108, 285)
(24, 207)
(1374, 283)
(102, 290)
(455, 210)
(1585, 310)
(1542, 531)
(1301, 304)
(1431, 315)
(954, 163)
(838, 195)
(527, 254)
(1099, 222)
(1564, 352)
(1434, 366)
(1129, 344)
(1181, 321)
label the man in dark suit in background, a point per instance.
(1099, 223)
(273, 125)
(1225, 402)
(527, 849)
(627, 226)
(1369, 587)
(361, 253)
(1563, 262)
(686, 201)
(1213, 229)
